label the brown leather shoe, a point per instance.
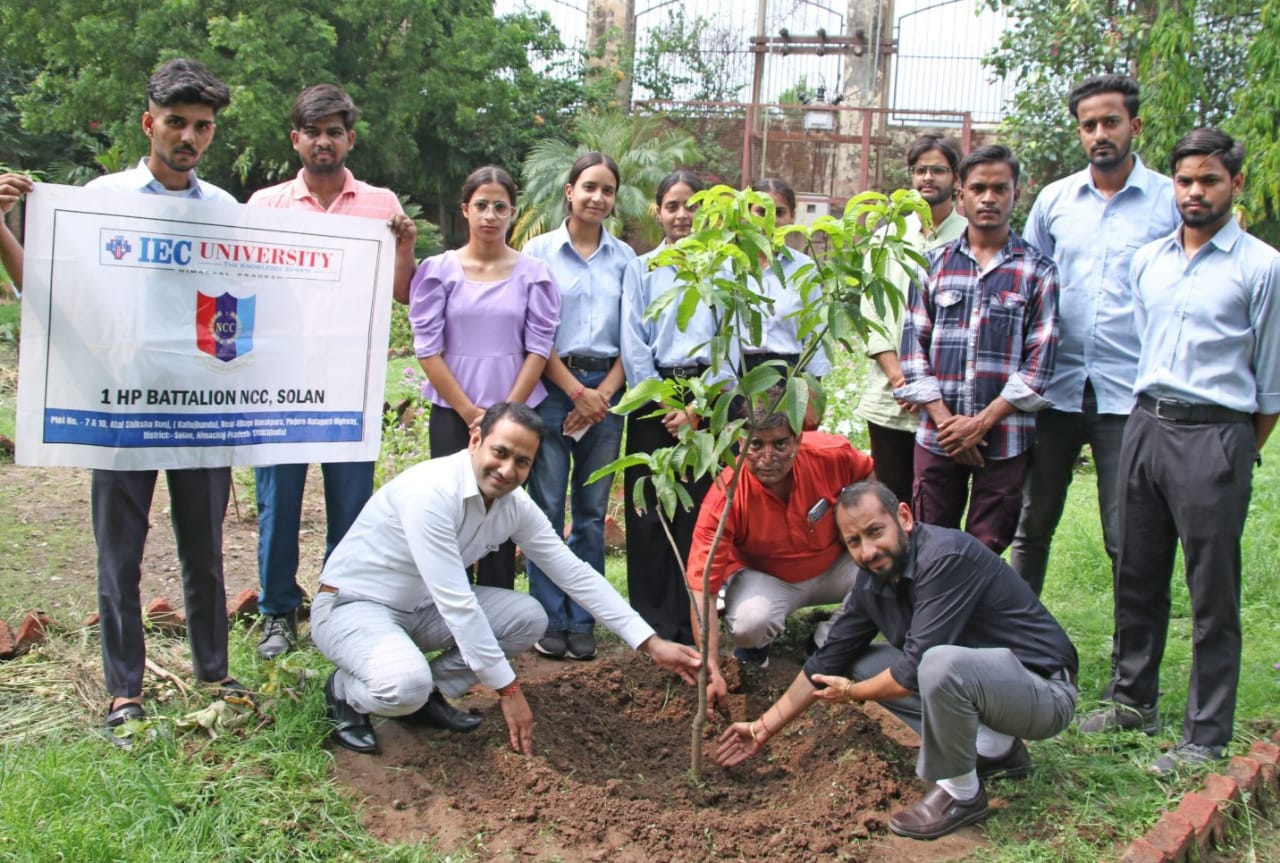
(1012, 765)
(937, 814)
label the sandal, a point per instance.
(116, 719)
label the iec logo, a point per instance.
(119, 247)
(224, 326)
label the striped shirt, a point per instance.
(973, 334)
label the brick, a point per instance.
(1173, 836)
(1265, 753)
(1142, 851)
(91, 619)
(1205, 819)
(8, 646)
(161, 614)
(1246, 772)
(614, 536)
(1223, 789)
(32, 631)
(1275, 738)
(245, 606)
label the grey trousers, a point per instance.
(120, 502)
(379, 650)
(1059, 439)
(961, 687)
(756, 604)
(1188, 482)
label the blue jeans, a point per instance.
(549, 479)
(347, 486)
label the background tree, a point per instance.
(444, 85)
(645, 148)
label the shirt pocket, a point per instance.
(1005, 313)
(950, 308)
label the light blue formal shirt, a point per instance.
(140, 179)
(1092, 240)
(590, 291)
(648, 345)
(1207, 328)
(781, 328)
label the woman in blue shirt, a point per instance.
(584, 379)
(658, 349)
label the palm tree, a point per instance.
(645, 150)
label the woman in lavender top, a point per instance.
(484, 318)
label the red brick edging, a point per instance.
(1203, 817)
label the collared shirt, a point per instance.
(648, 345)
(878, 404)
(1092, 240)
(411, 544)
(973, 334)
(140, 179)
(953, 590)
(357, 198)
(483, 330)
(782, 328)
(1208, 330)
(590, 291)
(772, 535)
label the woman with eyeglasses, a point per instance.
(659, 349)
(583, 379)
(781, 330)
(484, 317)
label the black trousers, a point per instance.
(655, 585)
(1188, 483)
(894, 453)
(120, 502)
(447, 434)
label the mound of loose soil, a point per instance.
(610, 778)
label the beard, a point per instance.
(1207, 216)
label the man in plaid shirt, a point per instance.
(978, 346)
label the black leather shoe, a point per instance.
(1012, 765)
(351, 728)
(438, 712)
(937, 814)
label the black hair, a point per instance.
(776, 186)
(488, 174)
(1209, 141)
(590, 160)
(948, 147)
(1122, 84)
(851, 494)
(321, 100)
(675, 178)
(756, 410)
(187, 82)
(992, 154)
(518, 412)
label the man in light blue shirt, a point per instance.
(1208, 390)
(1090, 223)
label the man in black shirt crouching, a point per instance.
(970, 659)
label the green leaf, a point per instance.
(796, 402)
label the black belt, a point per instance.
(682, 371)
(588, 364)
(1174, 411)
(750, 361)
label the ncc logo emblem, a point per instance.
(119, 247)
(224, 325)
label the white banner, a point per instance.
(164, 332)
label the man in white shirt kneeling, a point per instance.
(396, 586)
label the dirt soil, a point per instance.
(610, 776)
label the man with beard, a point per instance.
(1090, 223)
(324, 118)
(1208, 391)
(978, 345)
(932, 162)
(397, 586)
(779, 551)
(970, 659)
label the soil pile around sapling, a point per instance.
(610, 777)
